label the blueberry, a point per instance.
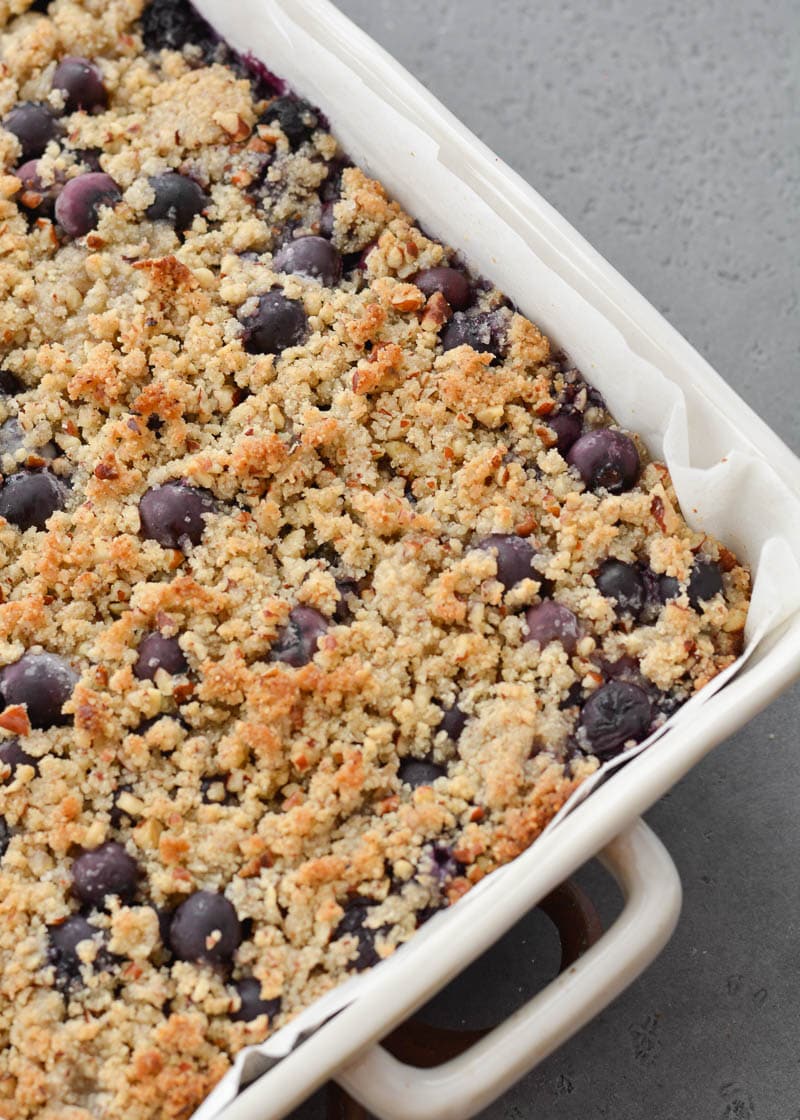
(81, 83)
(482, 332)
(10, 384)
(296, 119)
(615, 714)
(164, 917)
(352, 922)
(100, 872)
(212, 794)
(454, 285)
(64, 942)
(668, 588)
(552, 622)
(81, 199)
(12, 755)
(5, 836)
(29, 498)
(173, 514)
(625, 668)
(251, 1005)
(14, 438)
(705, 582)
(416, 772)
(453, 722)
(348, 590)
(174, 24)
(326, 220)
(205, 928)
(297, 641)
(43, 683)
(573, 698)
(178, 199)
(310, 256)
(36, 198)
(513, 556)
(567, 427)
(157, 652)
(277, 324)
(63, 950)
(605, 459)
(622, 582)
(34, 126)
(89, 157)
(116, 815)
(439, 863)
(330, 190)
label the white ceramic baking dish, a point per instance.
(464, 194)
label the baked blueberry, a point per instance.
(178, 200)
(117, 815)
(214, 790)
(64, 941)
(10, 384)
(89, 157)
(37, 198)
(348, 590)
(14, 438)
(29, 498)
(277, 324)
(174, 514)
(12, 755)
(103, 872)
(705, 581)
(251, 1005)
(453, 722)
(439, 863)
(623, 583)
(173, 25)
(513, 556)
(5, 836)
(310, 256)
(295, 117)
(606, 460)
(616, 714)
(326, 219)
(419, 772)
(296, 643)
(205, 928)
(81, 199)
(34, 126)
(482, 332)
(159, 652)
(668, 588)
(352, 923)
(549, 621)
(567, 427)
(81, 83)
(453, 284)
(330, 189)
(42, 683)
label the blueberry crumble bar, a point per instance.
(325, 579)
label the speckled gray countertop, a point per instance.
(668, 134)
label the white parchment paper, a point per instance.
(708, 439)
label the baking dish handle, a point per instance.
(463, 1086)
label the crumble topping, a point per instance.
(325, 578)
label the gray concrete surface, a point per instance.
(668, 134)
